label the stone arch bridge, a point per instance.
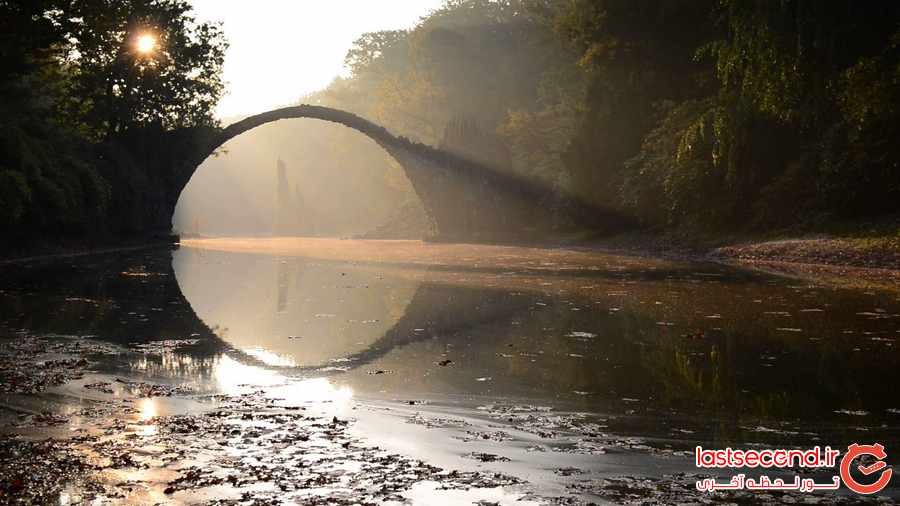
(464, 199)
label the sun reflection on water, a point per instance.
(269, 358)
(316, 390)
(148, 409)
(233, 377)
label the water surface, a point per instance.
(648, 354)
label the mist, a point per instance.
(297, 178)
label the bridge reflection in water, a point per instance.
(603, 333)
(290, 311)
(326, 316)
(598, 332)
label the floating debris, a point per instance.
(144, 389)
(486, 457)
(496, 436)
(857, 412)
(568, 471)
(31, 364)
(100, 386)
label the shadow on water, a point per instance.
(126, 298)
(683, 351)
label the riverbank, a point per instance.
(863, 256)
(32, 250)
(870, 260)
(74, 434)
(78, 433)
(870, 253)
(849, 262)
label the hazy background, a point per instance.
(338, 182)
(693, 131)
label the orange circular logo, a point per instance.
(856, 450)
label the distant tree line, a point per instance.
(708, 115)
(92, 130)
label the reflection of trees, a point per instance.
(728, 377)
(180, 364)
(121, 297)
(684, 374)
(705, 377)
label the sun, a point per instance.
(145, 44)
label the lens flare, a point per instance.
(145, 44)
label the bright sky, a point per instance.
(283, 49)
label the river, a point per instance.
(540, 372)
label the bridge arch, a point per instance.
(367, 145)
(464, 199)
(375, 132)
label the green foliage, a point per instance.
(15, 197)
(654, 182)
(46, 185)
(860, 157)
(375, 49)
(799, 124)
(712, 115)
(786, 56)
(176, 85)
(470, 58)
(73, 90)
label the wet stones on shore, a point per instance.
(30, 364)
(243, 448)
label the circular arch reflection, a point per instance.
(291, 311)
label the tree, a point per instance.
(84, 118)
(373, 49)
(177, 84)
